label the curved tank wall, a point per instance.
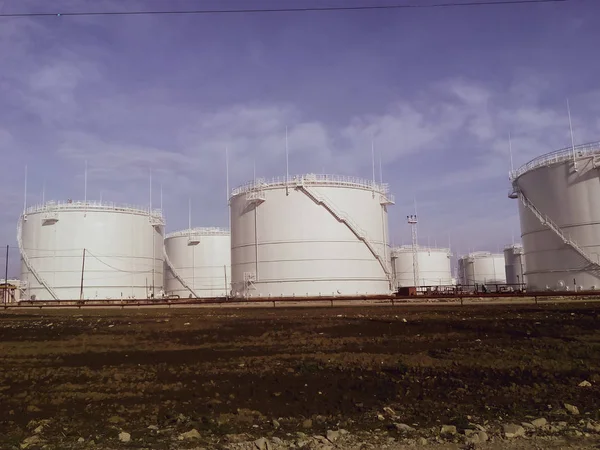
(567, 200)
(514, 264)
(201, 258)
(434, 266)
(123, 251)
(312, 235)
(482, 268)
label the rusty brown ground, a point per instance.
(226, 371)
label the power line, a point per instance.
(283, 10)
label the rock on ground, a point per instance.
(262, 444)
(124, 436)
(574, 410)
(448, 429)
(333, 436)
(192, 434)
(513, 431)
(539, 423)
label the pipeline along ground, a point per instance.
(79, 378)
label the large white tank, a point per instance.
(482, 268)
(514, 264)
(198, 263)
(117, 250)
(433, 263)
(308, 236)
(560, 219)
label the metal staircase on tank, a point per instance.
(27, 261)
(341, 217)
(175, 274)
(592, 266)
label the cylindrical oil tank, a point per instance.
(514, 264)
(559, 194)
(482, 268)
(91, 250)
(310, 235)
(433, 264)
(198, 263)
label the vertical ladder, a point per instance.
(27, 261)
(349, 224)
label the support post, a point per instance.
(6, 292)
(226, 290)
(82, 270)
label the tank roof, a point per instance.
(311, 179)
(199, 231)
(70, 205)
(558, 156)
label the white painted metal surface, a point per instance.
(201, 258)
(123, 251)
(482, 268)
(514, 264)
(310, 235)
(560, 220)
(434, 266)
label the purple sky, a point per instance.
(438, 88)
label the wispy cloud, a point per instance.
(169, 94)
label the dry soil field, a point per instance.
(373, 377)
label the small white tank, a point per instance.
(514, 264)
(198, 263)
(482, 268)
(433, 263)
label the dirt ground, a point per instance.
(78, 378)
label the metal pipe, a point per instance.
(82, 270)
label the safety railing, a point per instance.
(321, 179)
(546, 221)
(175, 273)
(420, 248)
(355, 229)
(564, 154)
(91, 205)
(199, 231)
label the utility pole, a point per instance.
(412, 221)
(82, 270)
(6, 293)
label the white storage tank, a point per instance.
(198, 263)
(559, 195)
(514, 264)
(433, 263)
(482, 268)
(310, 235)
(116, 250)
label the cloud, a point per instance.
(127, 103)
